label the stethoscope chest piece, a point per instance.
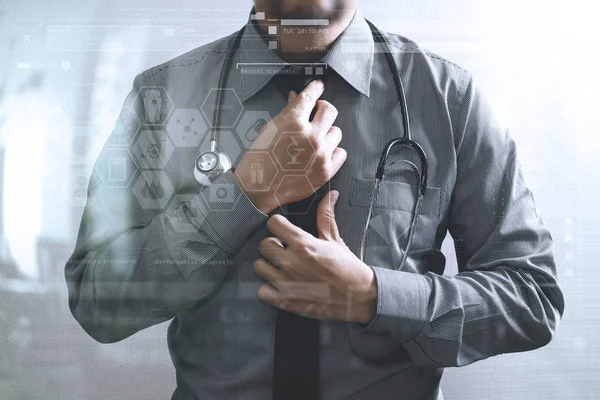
(209, 165)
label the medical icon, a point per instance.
(117, 169)
(294, 152)
(82, 145)
(81, 189)
(249, 127)
(153, 191)
(264, 172)
(66, 65)
(257, 175)
(152, 105)
(86, 144)
(252, 132)
(125, 129)
(299, 152)
(221, 192)
(187, 128)
(229, 107)
(152, 149)
(75, 189)
(298, 190)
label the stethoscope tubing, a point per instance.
(382, 168)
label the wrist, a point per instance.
(262, 200)
(366, 308)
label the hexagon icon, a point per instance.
(230, 106)
(153, 190)
(152, 149)
(187, 128)
(126, 128)
(152, 105)
(79, 104)
(75, 189)
(86, 144)
(115, 167)
(292, 180)
(299, 152)
(263, 171)
(219, 196)
(178, 219)
(250, 125)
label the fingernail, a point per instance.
(335, 196)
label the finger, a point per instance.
(270, 295)
(269, 272)
(325, 115)
(326, 224)
(305, 309)
(338, 158)
(292, 96)
(307, 99)
(310, 309)
(333, 139)
(284, 230)
(273, 250)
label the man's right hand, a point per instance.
(323, 158)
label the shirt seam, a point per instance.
(458, 106)
(188, 64)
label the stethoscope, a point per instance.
(214, 162)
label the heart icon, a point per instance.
(65, 65)
(351, 65)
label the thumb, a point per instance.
(292, 96)
(326, 224)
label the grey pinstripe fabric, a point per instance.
(192, 260)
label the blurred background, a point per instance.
(66, 67)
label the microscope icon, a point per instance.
(294, 152)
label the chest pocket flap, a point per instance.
(396, 195)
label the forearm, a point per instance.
(125, 277)
(449, 321)
(139, 280)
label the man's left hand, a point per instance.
(315, 277)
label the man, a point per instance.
(267, 294)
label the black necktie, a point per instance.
(296, 367)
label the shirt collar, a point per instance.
(351, 56)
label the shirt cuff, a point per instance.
(402, 300)
(228, 227)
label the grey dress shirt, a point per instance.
(154, 246)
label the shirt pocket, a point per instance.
(385, 246)
(391, 218)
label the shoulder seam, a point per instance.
(433, 55)
(183, 65)
(430, 54)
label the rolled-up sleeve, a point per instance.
(506, 297)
